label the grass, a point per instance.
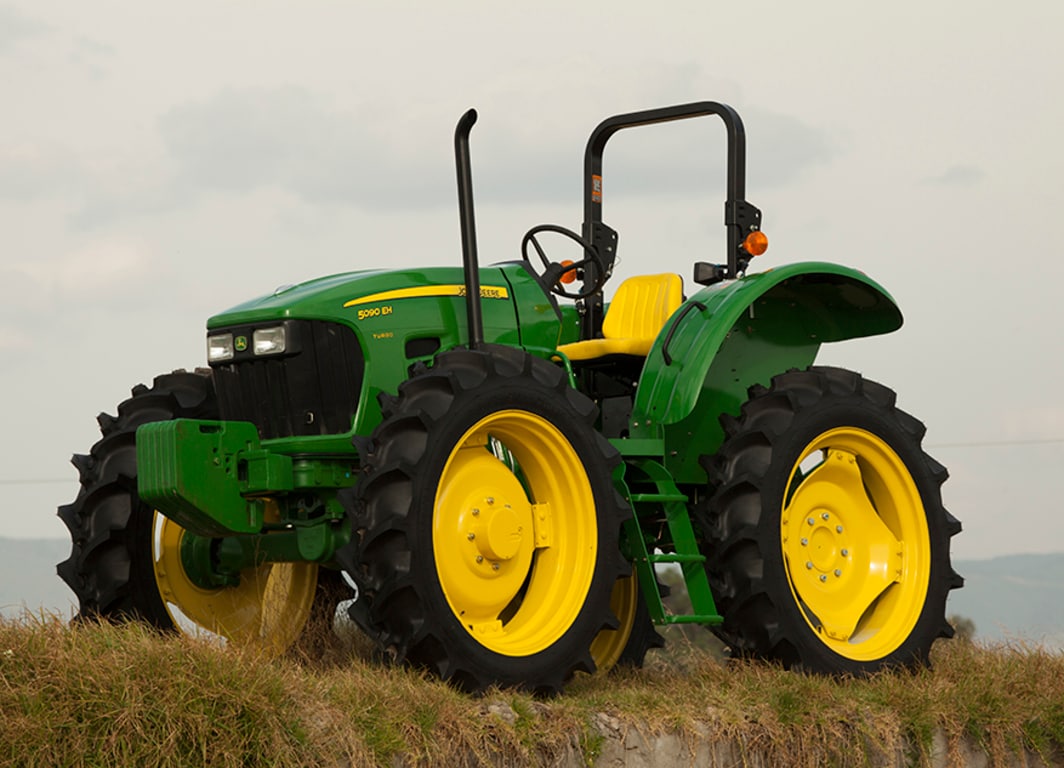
(96, 695)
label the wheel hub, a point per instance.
(826, 547)
(485, 513)
(499, 533)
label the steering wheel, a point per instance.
(553, 271)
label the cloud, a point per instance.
(781, 148)
(289, 137)
(34, 169)
(1032, 422)
(97, 270)
(12, 339)
(390, 155)
(15, 27)
(91, 56)
(958, 176)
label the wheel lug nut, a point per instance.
(480, 558)
(475, 511)
(825, 516)
(491, 499)
(471, 536)
(823, 577)
(809, 566)
(810, 521)
(845, 553)
(495, 566)
(838, 529)
(805, 542)
(838, 572)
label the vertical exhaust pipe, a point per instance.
(469, 228)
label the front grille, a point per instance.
(312, 389)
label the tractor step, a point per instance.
(692, 618)
(665, 498)
(658, 497)
(663, 558)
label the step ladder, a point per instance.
(657, 495)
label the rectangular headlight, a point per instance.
(220, 348)
(268, 341)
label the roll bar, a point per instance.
(740, 217)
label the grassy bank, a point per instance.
(104, 695)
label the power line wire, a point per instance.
(998, 443)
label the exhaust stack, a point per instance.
(469, 228)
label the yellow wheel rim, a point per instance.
(609, 644)
(267, 610)
(855, 543)
(514, 533)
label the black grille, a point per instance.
(312, 389)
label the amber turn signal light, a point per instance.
(755, 243)
(568, 275)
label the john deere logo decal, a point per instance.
(240, 343)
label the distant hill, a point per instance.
(1013, 598)
(1010, 598)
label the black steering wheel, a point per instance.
(553, 271)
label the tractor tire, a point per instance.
(827, 545)
(486, 524)
(125, 563)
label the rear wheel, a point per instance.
(125, 560)
(487, 524)
(826, 540)
(635, 635)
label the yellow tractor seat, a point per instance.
(634, 318)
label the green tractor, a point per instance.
(495, 461)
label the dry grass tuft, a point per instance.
(105, 695)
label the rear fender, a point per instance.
(732, 335)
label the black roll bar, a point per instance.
(740, 217)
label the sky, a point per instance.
(162, 162)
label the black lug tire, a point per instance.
(644, 637)
(402, 604)
(740, 523)
(110, 567)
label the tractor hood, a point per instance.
(339, 297)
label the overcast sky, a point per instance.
(160, 162)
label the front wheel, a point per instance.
(125, 561)
(826, 540)
(487, 525)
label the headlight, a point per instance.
(268, 341)
(220, 348)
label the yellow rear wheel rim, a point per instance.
(609, 644)
(267, 610)
(856, 545)
(514, 533)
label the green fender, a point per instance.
(732, 335)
